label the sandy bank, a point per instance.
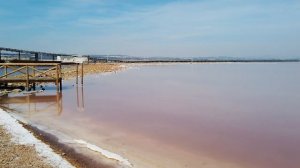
(15, 155)
(70, 71)
(20, 141)
(19, 148)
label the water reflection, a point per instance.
(47, 101)
(80, 98)
(32, 104)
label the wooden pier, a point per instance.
(31, 73)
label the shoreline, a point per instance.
(20, 136)
(66, 152)
(65, 155)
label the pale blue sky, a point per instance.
(236, 28)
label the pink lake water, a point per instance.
(181, 115)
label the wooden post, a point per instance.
(27, 78)
(19, 56)
(76, 73)
(33, 72)
(57, 76)
(5, 73)
(82, 73)
(60, 78)
(0, 54)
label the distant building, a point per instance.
(72, 59)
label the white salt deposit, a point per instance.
(105, 153)
(22, 136)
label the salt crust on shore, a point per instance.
(105, 153)
(22, 136)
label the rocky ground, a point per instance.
(14, 155)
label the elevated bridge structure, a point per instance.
(36, 54)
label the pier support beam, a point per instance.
(57, 79)
(60, 78)
(81, 73)
(76, 74)
(27, 78)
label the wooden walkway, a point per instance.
(31, 73)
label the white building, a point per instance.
(72, 59)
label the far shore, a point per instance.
(69, 71)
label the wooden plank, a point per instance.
(57, 76)
(27, 78)
(76, 74)
(82, 73)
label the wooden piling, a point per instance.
(82, 73)
(57, 76)
(76, 74)
(33, 72)
(27, 78)
(5, 72)
(60, 78)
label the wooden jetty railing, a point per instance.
(31, 73)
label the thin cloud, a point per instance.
(208, 28)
